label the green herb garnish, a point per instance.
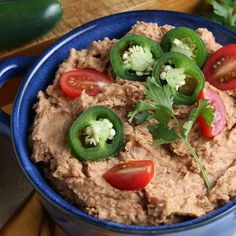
(159, 106)
(223, 12)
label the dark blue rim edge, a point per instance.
(65, 206)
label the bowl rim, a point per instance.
(55, 199)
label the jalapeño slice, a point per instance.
(96, 134)
(183, 76)
(133, 57)
(186, 41)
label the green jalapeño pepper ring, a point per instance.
(186, 41)
(182, 75)
(133, 57)
(96, 134)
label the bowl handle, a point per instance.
(8, 68)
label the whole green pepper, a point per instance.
(133, 57)
(183, 75)
(25, 20)
(187, 41)
(96, 134)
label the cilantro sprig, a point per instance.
(223, 12)
(159, 106)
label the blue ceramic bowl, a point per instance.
(41, 73)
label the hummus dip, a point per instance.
(177, 191)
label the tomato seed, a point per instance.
(222, 60)
(221, 80)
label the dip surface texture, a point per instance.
(177, 191)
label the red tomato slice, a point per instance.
(131, 175)
(74, 82)
(218, 106)
(220, 68)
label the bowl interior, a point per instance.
(42, 74)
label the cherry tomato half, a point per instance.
(74, 82)
(219, 121)
(220, 68)
(132, 175)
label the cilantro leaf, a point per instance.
(203, 109)
(230, 3)
(163, 134)
(220, 9)
(141, 117)
(160, 105)
(226, 11)
(163, 114)
(223, 12)
(162, 96)
(141, 107)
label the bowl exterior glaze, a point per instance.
(41, 74)
(225, 225)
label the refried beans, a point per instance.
(177, 190)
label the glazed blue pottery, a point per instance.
(41, 73)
